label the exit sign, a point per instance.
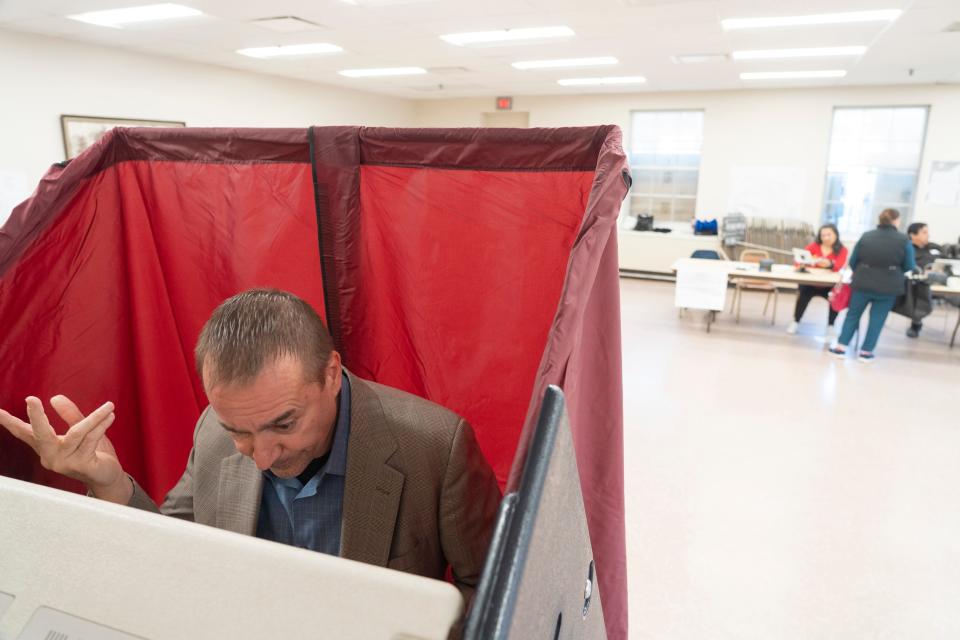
(504, 104)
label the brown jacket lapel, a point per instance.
(239, 499)
(371, 496)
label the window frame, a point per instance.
(652, 196)
(910, 207)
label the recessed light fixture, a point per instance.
(116, 18)
(286, 24)
(565, 62)
(587, 82)
(885, 15)
(389, 71)
(792, 75)
(813, 52)
(507, 35)
(313, 48)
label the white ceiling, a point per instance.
(642, 34)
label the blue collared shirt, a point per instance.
(309, 515)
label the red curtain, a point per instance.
(472, 267)
(457, 282)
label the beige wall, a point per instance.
(43, 78)
(784, 128)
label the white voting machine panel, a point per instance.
(76, 568)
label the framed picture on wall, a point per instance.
(79, 132)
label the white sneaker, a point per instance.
(792, 328)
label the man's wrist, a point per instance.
(120, 492)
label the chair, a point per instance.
(747, 284)
(706, 254)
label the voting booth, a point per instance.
(471, 267)
(77, 567)
(540, 579)
(84, 568)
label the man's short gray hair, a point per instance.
(256, 328)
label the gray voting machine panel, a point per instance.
(539, 580)
(72, 567)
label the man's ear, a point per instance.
(333, 374)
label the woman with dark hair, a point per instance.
(830, 254)
(879, 262)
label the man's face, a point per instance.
(281, 420)
(921, 238)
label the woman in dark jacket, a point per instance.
(879, 262)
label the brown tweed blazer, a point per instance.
(418, 493)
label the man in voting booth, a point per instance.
(294, 448)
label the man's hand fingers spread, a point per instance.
(79, 431)
(42, 429)
(89, 444)
(17, 427)
(66, 409)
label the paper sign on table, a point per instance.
(700, 287)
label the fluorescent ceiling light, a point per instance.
(567, 62)
(390, 71)
(507, 35)
(886, 15)
(290, 50)
(117, 17)
(587, 82)
(792, 75)
(812, 52)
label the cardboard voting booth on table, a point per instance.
(471, 267)
(79, 568)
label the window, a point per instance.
(665, 160)
(873, 165)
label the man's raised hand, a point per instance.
(83, 453)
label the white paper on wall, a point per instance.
(943, 187)
(768, 192)
(13, 191)
(700, 286)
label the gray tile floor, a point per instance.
(773, 491)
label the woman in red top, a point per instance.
(831, 254)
